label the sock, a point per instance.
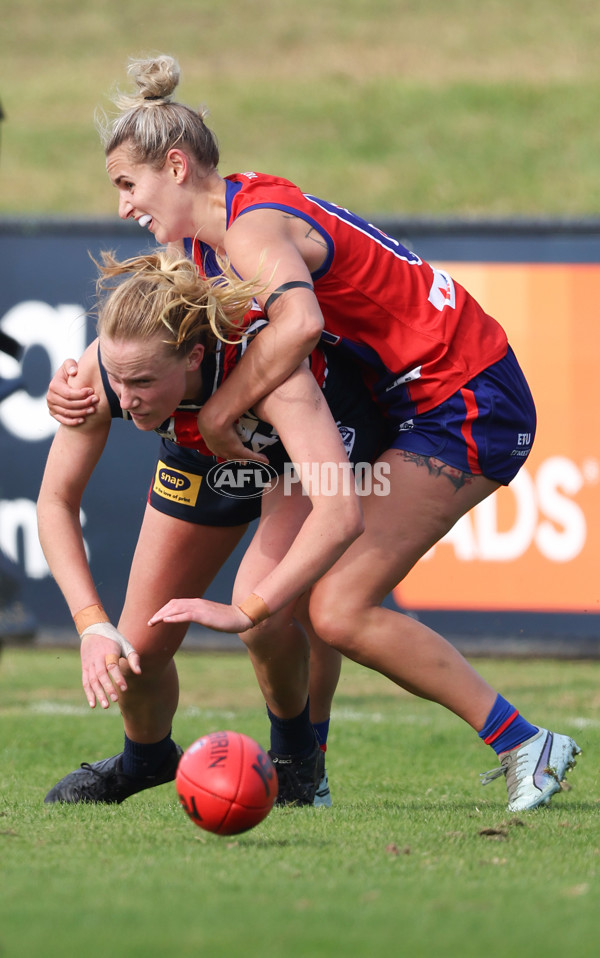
(504, 728)
(140, 760)
(322, 731)
(293, 736)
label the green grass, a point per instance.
(389, 107)
(386, 106)
(400, 865)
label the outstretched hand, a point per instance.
(213, 615)
(66, 404)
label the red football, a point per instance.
(226, 783)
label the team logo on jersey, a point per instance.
(348, 435)
(175, 485)
(255, 434)
(242, 480)
(442, 292)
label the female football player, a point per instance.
(441, 370)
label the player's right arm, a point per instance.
(70, 398)
(263, 243)
(71, 461)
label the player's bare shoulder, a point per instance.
(88, 367)
(88, 375)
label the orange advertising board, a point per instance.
(534, 545)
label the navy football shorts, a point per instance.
(486, 428)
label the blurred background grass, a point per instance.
(387, 106)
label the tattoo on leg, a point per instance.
(435, 467)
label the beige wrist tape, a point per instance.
(91, 615)
(255, 608)
(109, 632)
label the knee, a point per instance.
(156, 654)
(277, 633)
(260, 636)
(335, 623)
(154, 665)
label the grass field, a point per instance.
(389, 107)
(414, 858)
(386, 106)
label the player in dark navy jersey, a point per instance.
(184, 453)
(460, 413)
(156, 362)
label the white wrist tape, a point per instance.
(109, 632)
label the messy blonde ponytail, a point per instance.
(163, 293)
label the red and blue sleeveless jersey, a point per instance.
(418, 335)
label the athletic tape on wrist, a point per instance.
(109, 632)
(255, 608)
(89, 616)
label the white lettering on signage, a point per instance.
(19, 537)
(545, 516)
(61, 331)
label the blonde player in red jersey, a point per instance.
(461, 415)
